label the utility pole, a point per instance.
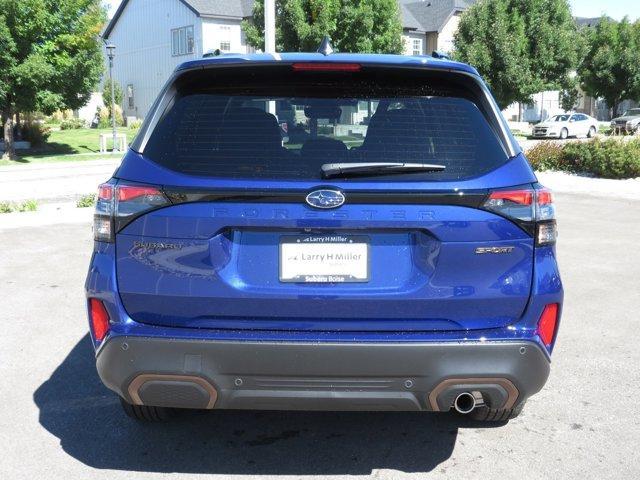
(111, 54)
(270, 38)
(269, 26)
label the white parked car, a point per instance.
(567, 125)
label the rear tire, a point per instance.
(147, 413)
(592, 132)
(486, 414)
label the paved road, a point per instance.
(57, 181)
(59, 422)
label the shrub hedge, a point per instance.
(611, 158)
(72, 124)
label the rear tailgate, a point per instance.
(238, 246)
(219, 265)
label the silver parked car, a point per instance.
(628, 123)
(566, 125)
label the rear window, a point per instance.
(288, 126)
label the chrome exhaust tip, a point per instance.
(467, 402)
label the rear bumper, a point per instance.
(319, 376)
(625, 129)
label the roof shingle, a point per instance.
(431, 15)
(222, 8)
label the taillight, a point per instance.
(531, 208)
(547, 230)
(99, 319)
(103, 215)
(515, 204)
(548, 323)
(119, 204)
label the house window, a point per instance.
(416, 46)
(225, 46)
(182, 41)
(130, 101)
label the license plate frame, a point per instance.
(299, 253)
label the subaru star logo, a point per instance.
(325, 198)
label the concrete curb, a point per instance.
(48, 214)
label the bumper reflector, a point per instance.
(99, 319)
(548, 323)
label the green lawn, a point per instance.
(82, 140)
(69, 145)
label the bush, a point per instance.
(106, 93)
(134, 127)
(72, 124)
(545, 156)
(35, 133)
(605, 130)
(60, 115)
(612, 158)
(86, 201)
(609, 159)
(26, 206)
(105, 117)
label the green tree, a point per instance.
(520, 48)
(611, 67)
(106, 94)
(371, 26)
(50, 57)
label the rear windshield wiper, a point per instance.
(330, 170)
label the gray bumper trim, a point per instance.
(318, 376)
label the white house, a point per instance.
(152, 37)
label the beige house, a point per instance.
(430, 25)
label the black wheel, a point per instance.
(146, 413)
(564, 134)
(486, 414)
(592, 132)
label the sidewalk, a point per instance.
(54, 182)
(67, 181)
(562, 182)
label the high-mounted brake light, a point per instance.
(99, 319)
(531, 208)
(118, 205)
(548, 323)
(326, 67)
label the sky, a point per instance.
(613, 8)
(581, 8)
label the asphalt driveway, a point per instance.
(59, 422)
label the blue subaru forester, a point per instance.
(324, 232)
